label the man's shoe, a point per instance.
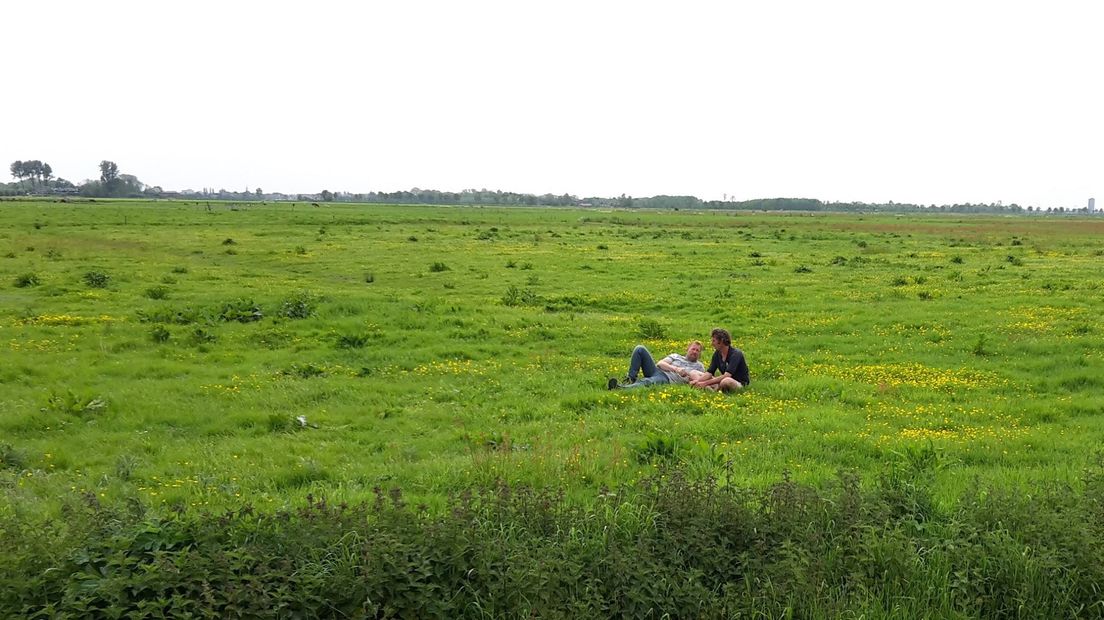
(612, 385)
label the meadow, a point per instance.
(182, 357)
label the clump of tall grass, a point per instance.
(27, 280)
(650, 329)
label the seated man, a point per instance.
(672, 369)
(726, 359)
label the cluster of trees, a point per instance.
(114, 184)
(34, 176)
(40, 174)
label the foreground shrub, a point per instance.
(669, 546)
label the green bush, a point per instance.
(298, 306)
(241, 311)
(96, 279)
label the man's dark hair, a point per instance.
(722, 335)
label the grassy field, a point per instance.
(161, 352)
(208, 410)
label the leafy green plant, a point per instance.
(200, 336)
(304, 371)
(650, 329)
(125, 466)
(78, 405)
(157, 292)
(160, 334)
(438, 267)
(352, 341)
(298, 306)
(96, 279)
(979, 346)
(658, 449)
(241, 311)
(515, 296)
(26, 280)
(11, 457)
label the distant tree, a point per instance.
(109, 176)
(47, 173)
(17, 170)
(128, 185)
(327, 195)
(258, 192)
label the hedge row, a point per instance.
(668, 547)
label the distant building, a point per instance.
(1092, 205)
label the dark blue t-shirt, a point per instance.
(734, 364)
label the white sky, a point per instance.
(928, 102)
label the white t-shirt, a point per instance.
(678, 361)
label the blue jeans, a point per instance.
(642, 360)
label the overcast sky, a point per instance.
(926, 102)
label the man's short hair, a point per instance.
(694, 342)
(722, 335)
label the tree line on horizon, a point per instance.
(36, 177)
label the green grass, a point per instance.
(423, 358)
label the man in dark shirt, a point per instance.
(727, 360)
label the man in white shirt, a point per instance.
(674, 368)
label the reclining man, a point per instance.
(674, 368)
